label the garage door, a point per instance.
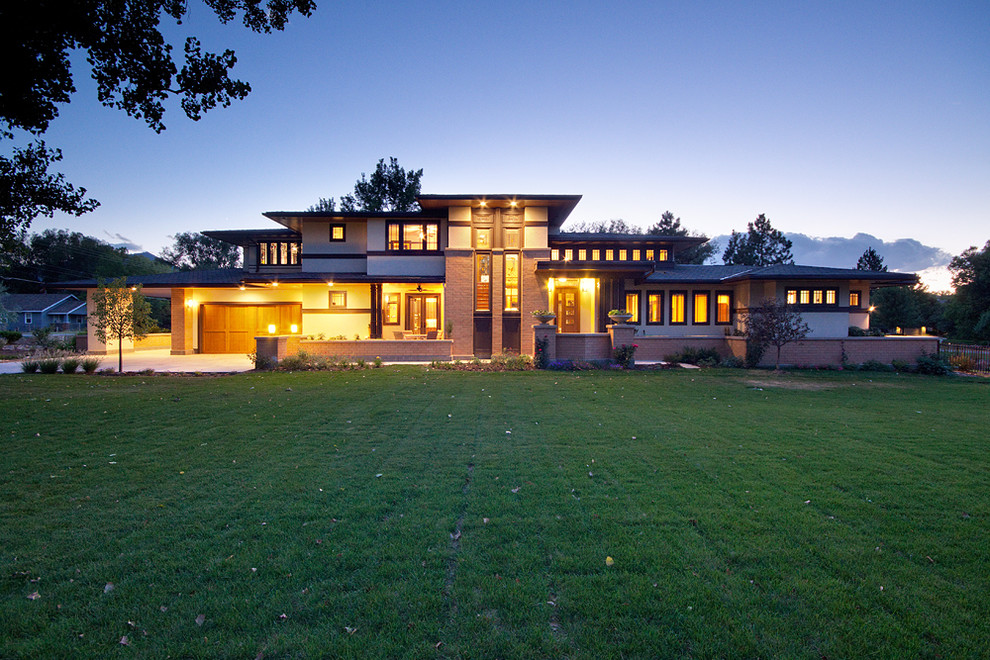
(229, 328)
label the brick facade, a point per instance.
(459, 300)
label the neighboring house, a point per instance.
(467, 271)
(61, 311)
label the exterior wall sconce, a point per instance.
(294, 328)
(271, 328)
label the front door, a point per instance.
(568, 309)
(423, 315)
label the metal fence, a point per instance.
(976, 358)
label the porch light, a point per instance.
(587, 284)
(483, 203)
(275, 283)
(294, 328)
(330, 283)
(190, 303)
(513, 203)
(242, 287)
(271, 328)
(872, 308)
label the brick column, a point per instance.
(459, 300)
(498, 299)
(621, 334)
(533, 293)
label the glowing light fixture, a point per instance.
(484, 203)
(190, 303)
(271, 328)
(872, 308)
(513, 203)
(275, 283)
(294, 328)
(242, 287)
(587, 284)
(330, 283)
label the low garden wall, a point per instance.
(389, 350)
(154, 340)
(583, 346)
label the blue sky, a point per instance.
(832, 118)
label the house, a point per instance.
(461, 277)
(61, 311)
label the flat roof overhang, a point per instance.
(636, 269)
(558, 206)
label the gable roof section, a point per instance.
(34, 302)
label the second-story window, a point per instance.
(413, 237)
(278, 253)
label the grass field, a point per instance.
(402, 512)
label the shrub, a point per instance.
(378, 362)
(49, 365)
(90, 364)
(540, 359)
(12, 336)
(962, 363)
(856, 331)
(30, 366)
(688, 355)
(932, 365)
(361, 364)
(754, 353)
(902, 366)
(625, 355)
(70, 364)
(733, 362)
(43, 337)
(297, 362)
(875, 365)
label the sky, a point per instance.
(832, 118)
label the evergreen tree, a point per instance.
(761, 245)
(871, 261)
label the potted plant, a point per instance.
(619, 315)
(544, 316)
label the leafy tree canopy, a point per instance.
(119, 312)
(872, 261)
(969, 309)
(195, 251)
(761, 245)
(58, 255)
(135, 71)
(390, 188)
(671, 226)
(905, 307)
(614, 226)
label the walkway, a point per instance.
(160, 359)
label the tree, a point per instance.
(390, 188)
(119, 312)
(671, 226)
(871, 261)
(5, 316)
(325, 205)
(58, 255)
(969, 309)
(613, 226)
(195, 251)
(774, 323)
(761, 245)
(134, 69)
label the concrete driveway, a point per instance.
(160, 359)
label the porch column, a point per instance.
(376, 311)
(182, 323)
(548, 332)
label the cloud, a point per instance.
(904, 254)
(119, 240)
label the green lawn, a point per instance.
(403, 512)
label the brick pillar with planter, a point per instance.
(549, 332)
(622, 334)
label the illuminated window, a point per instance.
(338, 299)
(792, 296)
(390, 310)
(818, 296)
(596, 255)
(805, 296)
(413, 237)
(609, 255)
(632, 305)
(830, 295)
(854, 298)
(622, 255)
(662, 255)
(649, 255)
(723, 307)
(654, 307)
(555, 254)
(678, 299)
(700, 308)
(336, 232)
(568, 254)
(482, 282)
(582, 255)
(278, 253)
(635, 255)
(512, 281)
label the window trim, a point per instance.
(402, 238)
(723, 292)
(636, 314)
(265, 253)
(650, 294)
(684, 296)
(478, 256)
(859, 299)
(694, 307)
(331, 294)
(343, 232)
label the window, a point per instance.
(635, 255)
(662, 255)
(854, 298)
(28, 319)
(649, 255)
(336, 232)
(609, 255)
(817, 296)
(632, 305)
(582, 255)
(792, 296)
(483, 239)
(700, 308)
(830, 296)
(568, 254)
(390, 311)
(512, 239)
(596, 255)
(338, 299)
(413, 237)
(278, 253)
(512, 281)
(482, 282)
(678, 300)
(654, 308)
(622, 255)
(804, 296)
(723, 308)
(555, 254)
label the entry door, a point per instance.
(424, 313)
(568, 309)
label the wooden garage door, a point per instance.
(229, 328)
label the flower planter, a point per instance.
(620, 318)
(544, 318)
